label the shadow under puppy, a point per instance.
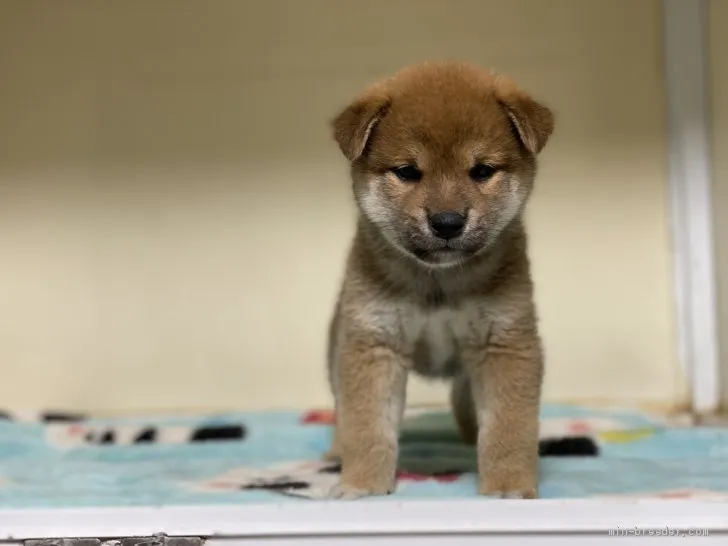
(443, 160)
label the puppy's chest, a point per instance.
(436, 337)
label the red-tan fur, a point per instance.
(409, 304)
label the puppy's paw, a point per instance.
(509, 486)
(345, 491)
(512, 494)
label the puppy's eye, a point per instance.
(408, 173)
(482, 172)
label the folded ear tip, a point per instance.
(353, 125)
(533, 121)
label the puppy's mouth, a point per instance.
(444, 255)
(434, 251)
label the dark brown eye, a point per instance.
(482, 172)
(408, 173)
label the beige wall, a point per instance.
(719, 93)
(174, 215)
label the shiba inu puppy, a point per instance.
(443, 160)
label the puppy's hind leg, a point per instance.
(463, 408)
(334, 452)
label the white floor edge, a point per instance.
(360, 518)
(602, 539)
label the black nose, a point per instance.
(447, 225)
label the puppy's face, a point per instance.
(443, 158)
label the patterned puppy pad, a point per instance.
(73, 461)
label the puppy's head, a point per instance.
(443, 157)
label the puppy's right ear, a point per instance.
(353, 125)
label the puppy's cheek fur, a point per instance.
(506, 200)
(380, 202)
(370, 196)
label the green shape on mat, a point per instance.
(435, 426)
(430, 444)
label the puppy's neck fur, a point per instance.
(398, 275)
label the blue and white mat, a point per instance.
(68, 461)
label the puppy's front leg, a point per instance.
(370, 395)
(506, 378)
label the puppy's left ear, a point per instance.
(533, 121)
(353, 125)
